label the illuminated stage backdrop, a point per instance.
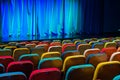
(50, 18)
(39, 17)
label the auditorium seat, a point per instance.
(69, 53)
(56, 41)
(118, 49)
(82, 47)
(50, 55)
(5, 60)
(91, 51)
(115, 56)
(117, 42)
(71, 61)
(13, 76)
(34, 58)
(35, 42)
(30, 45)
(75, 40)
(55, 44)
(45, 46)
(2, 68)
(5, 52)
(107, 70)
(92, 42)
(66, 41)
(80, 72)
(12, 43)
(117, 77)
(95, 59)
(99, 45)
(68, 46)
(38, 50)
(20, 51)
(110, 44)
(87, 40)
(24, 66)
(55, 62)
(46, 74)
(109, 51)
(55, 48)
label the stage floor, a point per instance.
(60, 37)
(29, 38)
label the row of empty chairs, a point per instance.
(104, 71)
(70, 63)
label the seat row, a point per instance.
(103, 71)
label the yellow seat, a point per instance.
(20, 51)
(71, 61)
(107, 70)
(110, 44)
(50, 55)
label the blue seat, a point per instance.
(54, 62)
(13, 76)
(80, 72)
(117, 77)
(2, 68)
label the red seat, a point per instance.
(23, 66)
(46, 74)
(5, 60)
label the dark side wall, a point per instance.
(111, 16)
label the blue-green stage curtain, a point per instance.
(50, 17)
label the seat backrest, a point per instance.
(55, 62)
(117, 77)
(107, 70)
(110, 44)
(55, 44)
(50, 55)
(20, 51)
(115, 56)
(45, 46)
(73, 60)
(82, 47)
(34, 58)
(67, 47)
(5, 52)
(23, 66)
(30, 45)
(55, 49)
(69, 53)
(39, 50)
(99, 45)
(66, 41)
(2, 68)
(80, 72)
(95, 59)
(5, 60)
(13, 76)
(46, 74)
(91, 51)
(109, 51)
(10, 47)
(118, 49)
